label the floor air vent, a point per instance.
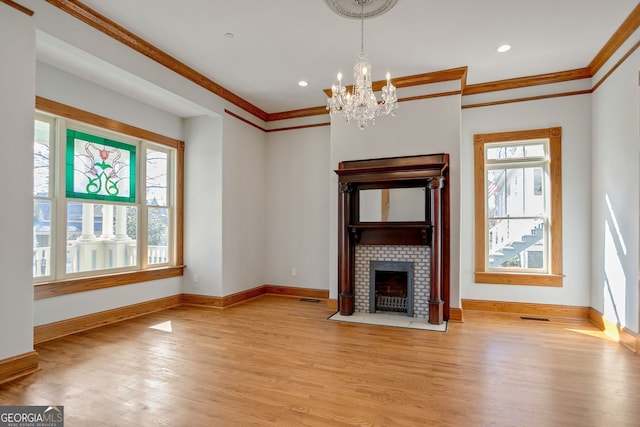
(539, 319)
(309, 300)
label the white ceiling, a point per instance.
(279, 42)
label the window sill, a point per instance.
(72, 286)
(524, 279)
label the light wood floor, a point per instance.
(278, 361)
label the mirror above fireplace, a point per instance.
(392, 204)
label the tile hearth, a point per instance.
(396, 320)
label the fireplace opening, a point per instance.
(391, 287)
(391, 291)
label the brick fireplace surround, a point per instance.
(418, 255)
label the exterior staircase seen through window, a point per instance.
(512, 249)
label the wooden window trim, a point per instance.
(89, 283)
(555, 276)
(71, 286)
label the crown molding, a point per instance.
(250, 123)
(520, 82)
(18, 6)
(126, 37)
(314, 125)
(527, 99)
(628, 27)
(84, 13)
(296, 114)
(459, 73)
(242, 119)
(615, 67)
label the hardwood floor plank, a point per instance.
(277, 361)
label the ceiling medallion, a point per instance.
(360, 9)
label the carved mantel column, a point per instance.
(346, 249)
(436, 304)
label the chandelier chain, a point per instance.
(362, 28)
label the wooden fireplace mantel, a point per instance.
(381, 233)
(427, 171)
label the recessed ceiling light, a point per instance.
(503, 48)
(229, 35)
(303, 83)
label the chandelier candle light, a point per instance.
(361, 103)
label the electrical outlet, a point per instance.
(195, 278)
(294, 272)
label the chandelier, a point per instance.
(360, 104)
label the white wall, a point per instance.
(203, 206)
(88, 47)
(54, 309)
(573, 114)
(244, 198)
(17, 86)
(616, 178)
(428, 126)
(297, 216)
(55, 84)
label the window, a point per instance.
(105, 203)
(518, 208)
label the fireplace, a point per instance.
(369, 193)
(391, 287)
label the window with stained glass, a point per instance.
(111, 207)
(98, 168)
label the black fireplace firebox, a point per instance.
(391, 287)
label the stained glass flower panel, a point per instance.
(100, 169)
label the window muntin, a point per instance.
(518, 194)
(100, 211)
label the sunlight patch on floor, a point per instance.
(595, 334)
(164, 326)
